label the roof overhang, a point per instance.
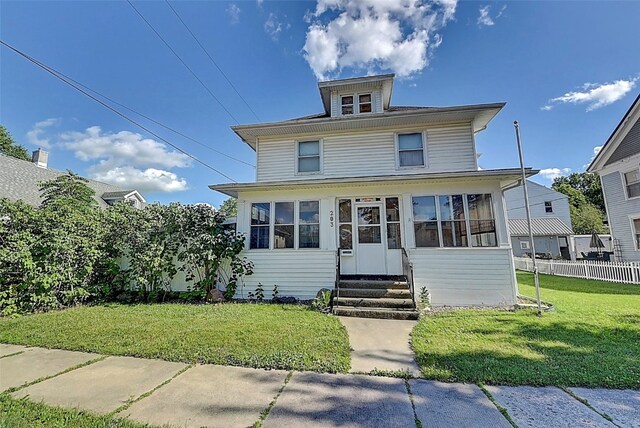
(478, 115)
(125, 194)
(503, 175)
(356, 84)
(628, 120)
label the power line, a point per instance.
(537, 203)
(211, 58)
(182, 61)
(119, 113)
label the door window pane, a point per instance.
(368, 215)
(369, 235)
(345, 226)
(309, 224)
(344, 208)
(393, 236)
(392, 209)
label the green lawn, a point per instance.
(26, 414)
(591, 339)
(269, 336)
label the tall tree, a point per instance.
(9, 147)
(69, 186)
(586, 218)
(229, 207)
(586, 183)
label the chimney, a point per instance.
(40, 158)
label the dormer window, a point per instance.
(347, 104)
(364, 103)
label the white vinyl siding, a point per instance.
(369, 154)
(539, 195)
(620, 210)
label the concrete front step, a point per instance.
(381, 313)
(374, 303)
(374, 293)
(368, 284)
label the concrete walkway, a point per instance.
(161, 392)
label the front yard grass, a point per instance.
(591, 339)
(251, 335)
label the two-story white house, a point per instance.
(375, 189)
(550, 221)
(618, 165)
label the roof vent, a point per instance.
(40, 158)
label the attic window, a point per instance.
(364, 103)
(347, 104)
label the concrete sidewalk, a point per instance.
(161, 392)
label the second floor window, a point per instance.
(308, 156)
(632, 183)
(548, 207)
(410, 150)
(347, 104)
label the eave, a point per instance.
(504, 174)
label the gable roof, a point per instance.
(623, 142)
(19, 179)
(541, 226)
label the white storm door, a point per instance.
(370, 245)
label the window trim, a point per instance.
(320, 156)
(624, 182)
(634, 232)
(424, 150)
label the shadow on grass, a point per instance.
(548, 353)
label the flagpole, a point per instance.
(528, 210)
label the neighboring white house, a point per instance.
(551, 223)
(618, 164)
(365, 182)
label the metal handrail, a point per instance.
(337, 284)
(407, 270)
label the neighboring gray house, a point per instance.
(19, 179)
(551, 221)
(618, 164)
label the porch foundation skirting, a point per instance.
(453, 277)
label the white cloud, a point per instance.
(127, 159)
(396, 35)
(233, 10)
(274, 26)
(598, 95)
(148, 180)
(596, 150)
(35, 135)
(546, 108)
(553, 173)
(485, 18)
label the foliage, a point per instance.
(9, 147)
(286, 337)
(276, 294)
(587, 184)
(424, 297)
(22, 413)
(590, 339)
(585, 217)
(69, 186)
(229, 208)
(322, 302)
(258, 295)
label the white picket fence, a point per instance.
(628, 273)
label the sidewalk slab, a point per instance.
(545, 407)
(211, 396)
(7, 349)
(36, 363)
(452, 405)
(103, 386)
(623, 406)
(380, 344)
(325, 400)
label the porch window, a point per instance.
(392, 208)
(364, 103)
(632, 183)
(636, 232)
(309, 224)
(283, 230)
(452, 221)
(410, 150)
(308, 156)
(481, 221)
(344, 221)
(347, 104)
(425, 221)
(260, 221)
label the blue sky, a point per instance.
(581, 54)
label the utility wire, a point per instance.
(119, 113)
(211, 58)
(531, 205)
(182, 61)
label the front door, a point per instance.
(370, 245)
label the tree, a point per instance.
(586, 183)
(69, 186)
(9, 147)
(586, 218)
(229, 207)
